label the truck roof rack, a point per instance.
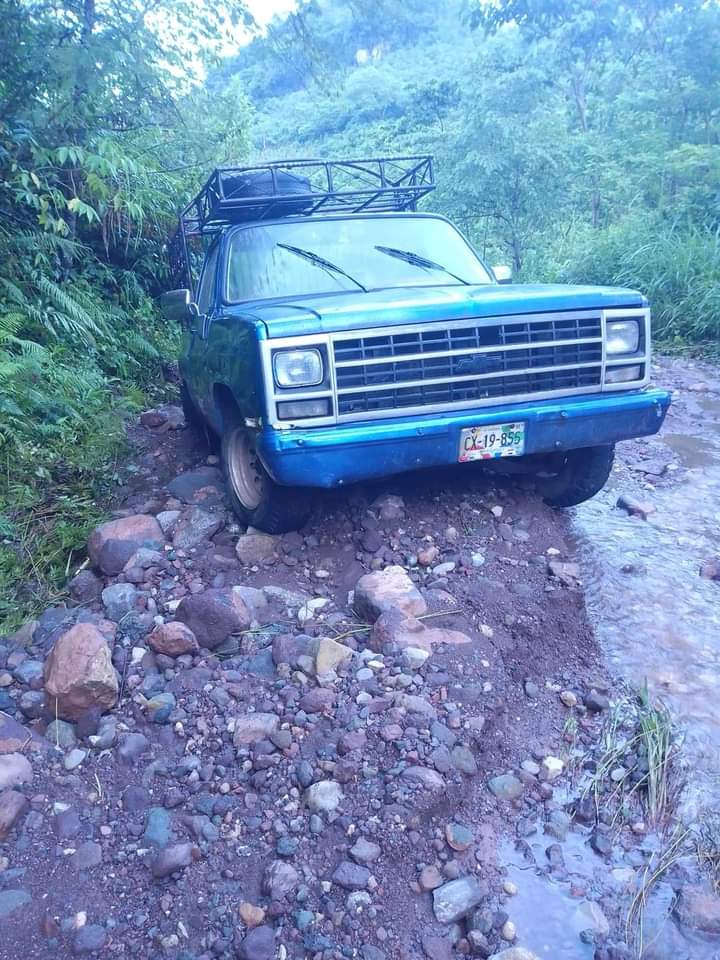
(296, 188)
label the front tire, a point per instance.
(578, 476)
(255, 497)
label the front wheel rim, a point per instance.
(247, 474)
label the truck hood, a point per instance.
(353, 310)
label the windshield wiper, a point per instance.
(321, 262)
(418, 261)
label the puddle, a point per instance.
(662, 621)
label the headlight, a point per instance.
(298, 368)
(623, 336)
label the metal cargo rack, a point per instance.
(377, 185)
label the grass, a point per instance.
(707, 848)
(643, 730)
(655, 869)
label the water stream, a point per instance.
(658, 622)
(656, 618)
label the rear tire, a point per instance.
(579, 476)
(255, 497)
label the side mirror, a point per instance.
(177, 306)
(502, 274)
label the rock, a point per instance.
(364, 851)
(89, 939)
(388, 589)
(159, 707)
(14, 737)
(255, 547)
(280, 880)
(195, 526)
(74, 758)
(588, 915)
(414, 657)
(551, 768)
(429, 779)
(698, 908)
(710, 570)
(113, 543)
(463, 760)
(318, 700)
(255, 600)
(505, 787)
(636, 508)
(251, 915)
(13, 806)
(453, 900)
(568, 698)
(393, 629)
(167, 520)
(601, 843)
(85, 587)
(389, 507)
(596, 702)
(430, 878)
(87, 855)
(437, 948)
(458, 836)
(11, 901)
(214, 615)
(351, 876)
(258, 944)
(158, 830)
(508, 931)
(79, 675)
(132, 746)
(61, 734)
(330, 655)
(119, 599)
(324, 796)
(173, 639)
(253, 727)
(14, 770)
(174, 858)
(201, 486)
(567, 573)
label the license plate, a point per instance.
(495, 440)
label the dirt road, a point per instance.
(242, 799)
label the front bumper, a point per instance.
(338, 455)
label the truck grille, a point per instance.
(464, 364)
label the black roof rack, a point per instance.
(297, 188)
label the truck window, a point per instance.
(261, 266)
(206, 290)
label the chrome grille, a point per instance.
(466, 362)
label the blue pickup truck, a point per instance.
(336, 334)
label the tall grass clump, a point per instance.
(676, 267)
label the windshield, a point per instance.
(297, 258)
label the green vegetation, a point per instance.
(101, 134)
(575, 140)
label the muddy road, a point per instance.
(291, 769)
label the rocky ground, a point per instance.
(234, 745)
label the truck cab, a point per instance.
(336, 334)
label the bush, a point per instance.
(678, 269)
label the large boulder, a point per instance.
(389, 589)
(79, 675)
(15, 769)
(113, 543)
(214, 615)
(13, 806)
(453, 900)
